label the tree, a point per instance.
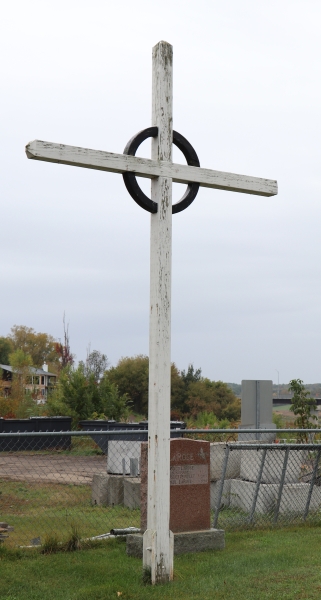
(96, 364)
(65, 357)
(216, 397)
(21, 401)
(180, 389)
(39, 346)
(6, 348)
(301, 406)
(76, 392)
(113, 405)
(80, 396)
(131, 377)
(191, 375)
(178, 394)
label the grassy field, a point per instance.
(266, 565)
(36, 510)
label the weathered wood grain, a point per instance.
(160, 557)
(144, 167)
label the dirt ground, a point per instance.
(47, 468)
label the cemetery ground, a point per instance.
(265, 565)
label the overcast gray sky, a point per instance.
(247, 95)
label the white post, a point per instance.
(158, 540)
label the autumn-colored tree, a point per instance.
(39, 346)
(21, 401)
(215, 397)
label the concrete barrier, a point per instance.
(119, 450)
(107, 489)
(273, 465)
(132, 492)
(218, 450)
(242, 494)
(215, 487)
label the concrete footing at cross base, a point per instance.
(189, 541)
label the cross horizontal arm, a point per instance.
(144, 167)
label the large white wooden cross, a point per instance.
(158, 540)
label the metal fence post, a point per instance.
(315, 470)
(257, 487)
(277, 508)
(258, 410)
(220, 491)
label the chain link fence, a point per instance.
(51, 482)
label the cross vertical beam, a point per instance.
(158, 540)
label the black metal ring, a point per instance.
(131, 182)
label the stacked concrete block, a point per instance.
(251, 461)
(295, 496)
(218, 453)
(132, 492)
(107, 489)
(215, 490)
(233, 468)
(119, 454)
(242, 495)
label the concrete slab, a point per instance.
(189, 541)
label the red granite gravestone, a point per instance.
(189, 485)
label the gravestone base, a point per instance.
(188, 541)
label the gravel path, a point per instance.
(46, 468)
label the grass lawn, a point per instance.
(38, 510)
(256, 565)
